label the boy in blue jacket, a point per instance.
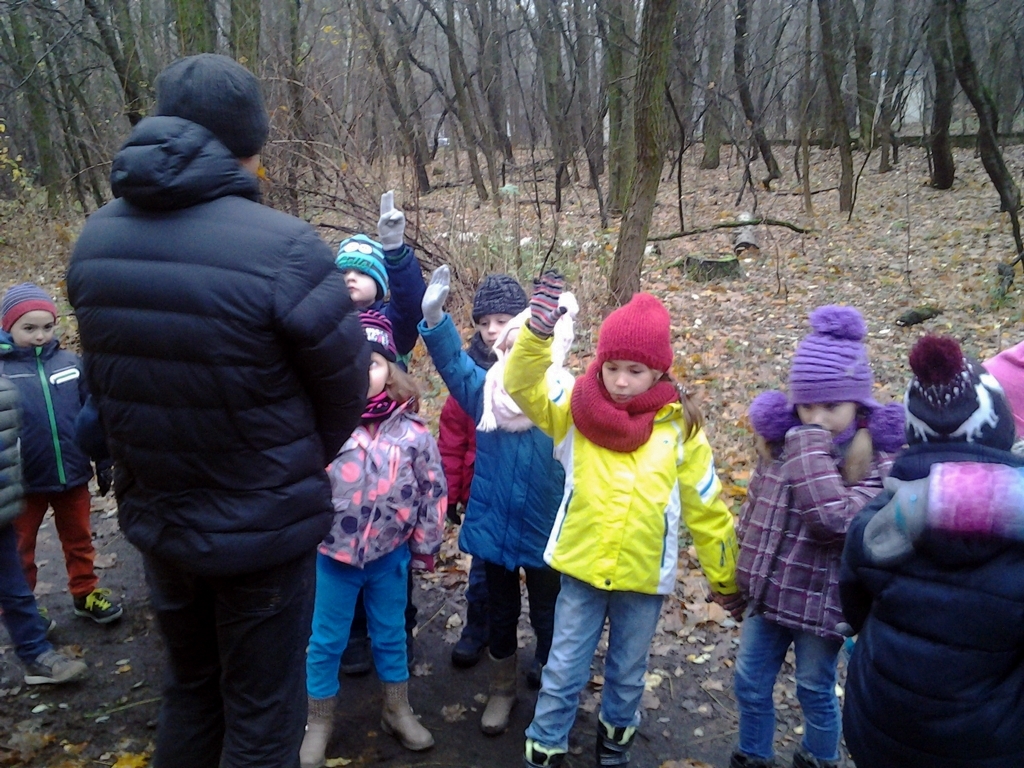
(384, 276)
(56, 471)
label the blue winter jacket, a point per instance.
(517, 484)
(406, 289)
(937, 674)
(52, 389)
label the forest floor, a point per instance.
(906, 246)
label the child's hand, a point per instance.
(891, 533)
(391, 224)
(422, 563)
(544, 309)
(859, 456)
(435, 296)
(734, 604)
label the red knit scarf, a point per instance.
(621, 427)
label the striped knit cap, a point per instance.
(379, 333)
(367, 256)
(640, 332)
(22, 299)
(831, 364)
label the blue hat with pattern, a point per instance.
(364, 255)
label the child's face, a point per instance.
(33, 329)
(361, 288)
(835, 417)
(625, 379)
(380, 372)
(490, 326)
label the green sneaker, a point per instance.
(97, 607)
(51, 624)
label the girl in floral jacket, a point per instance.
(390, 499)
(823, 455)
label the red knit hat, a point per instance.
(20, 300)
(638, 331)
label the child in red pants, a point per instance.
(56, 471)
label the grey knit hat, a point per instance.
(499, 295)
(219, 94)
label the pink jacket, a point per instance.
(387, 489)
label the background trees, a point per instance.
(522, 90)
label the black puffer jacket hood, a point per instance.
(223, 354)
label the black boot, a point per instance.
(740, 760)
(804, 759)
(613, 744)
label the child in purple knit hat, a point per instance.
(823, 451)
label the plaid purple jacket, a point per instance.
(792, 527)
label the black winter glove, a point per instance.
(104, 476)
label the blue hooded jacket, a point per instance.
(52, 388)
(517, 483)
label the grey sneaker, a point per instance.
(51, 668)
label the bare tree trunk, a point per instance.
(863, 50)
(652, 74)
(895, 73)
(988, 119)
(19, 52)
(548, 39)
(616, 22)
(125, 62)
(739, 58)
(245, 32)
(943, 169)
(590, 122)
(413, 147)
(197, 26)
(713, 127)
(805, 104)
(484, 16)
(833, 77)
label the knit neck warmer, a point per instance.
(379, 406)
(620, 427)
(480, 353)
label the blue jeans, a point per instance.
(580, 613)
(383, 582)
(763, 646)
(234, 693)
(24, 624)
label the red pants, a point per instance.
(71, 516)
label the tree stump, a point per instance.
(705, 267)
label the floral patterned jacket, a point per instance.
(388, 488)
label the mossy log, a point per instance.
(704, 267)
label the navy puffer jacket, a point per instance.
(51, 459)
(223, 353)
(937, 674)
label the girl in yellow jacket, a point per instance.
(636, 465)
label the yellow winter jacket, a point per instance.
(618, 525)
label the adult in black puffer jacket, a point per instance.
(228, 368)
(936, 679)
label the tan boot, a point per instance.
(398, 719)
(319, 723)
(501, 697)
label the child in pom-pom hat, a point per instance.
(933, 579)
(638, 466)
(823, 452)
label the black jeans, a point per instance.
(235, 687)
(504, 603)
(359, 630)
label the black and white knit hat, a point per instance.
(953, 399)
(499, 295)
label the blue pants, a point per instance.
(24, 624)
(580, 613)
(763, 646)
(383, 582)
(234, 694)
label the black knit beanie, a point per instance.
(221, 95)
(499, 295)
